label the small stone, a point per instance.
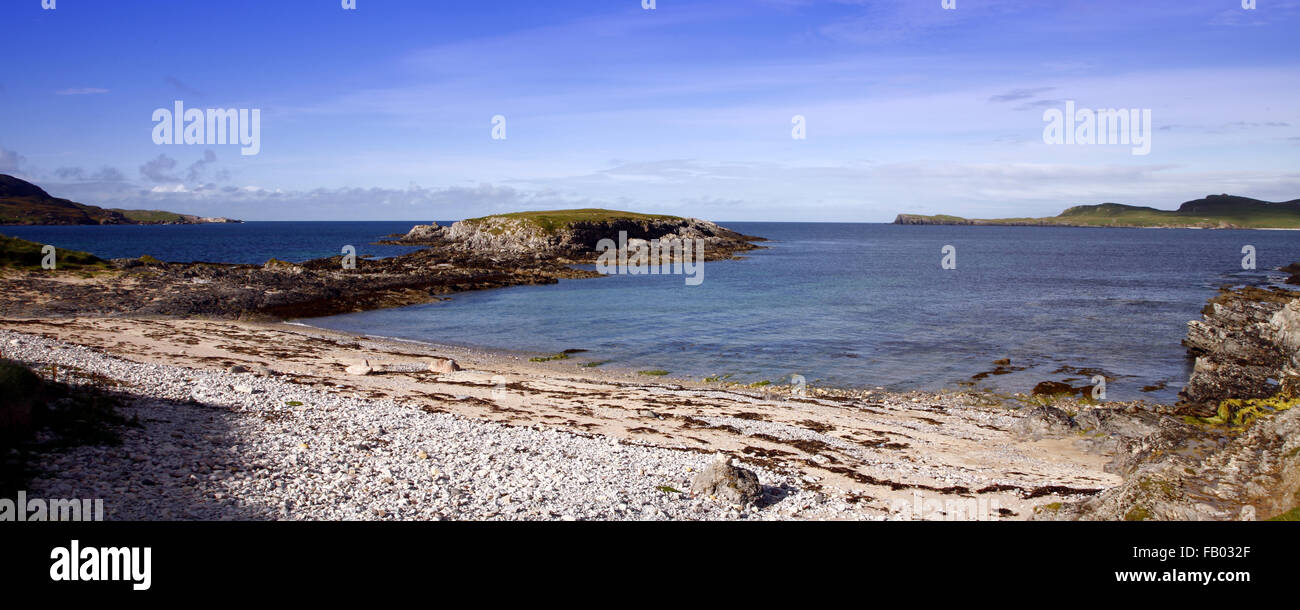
(443, 365)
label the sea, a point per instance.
(837, 304)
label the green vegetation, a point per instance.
(594, 364)
(759, 384)
(1240, 412)
(293, 403)
(1137, 514)
(552, 221)
(1214, 211)
(559, 356)
(654, 372)
(150, 216)
(22, 254)
(668, 490)
(1291, 515)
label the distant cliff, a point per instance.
(1211, 212)
(24, 203)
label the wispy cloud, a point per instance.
(82, 91)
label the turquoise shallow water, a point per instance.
(841, 304)
(868, 304)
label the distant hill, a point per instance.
(1211, 212)
(24, 203)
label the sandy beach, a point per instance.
(263, 421)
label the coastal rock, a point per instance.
(1052, 388)
(1243, 346)
(1045, 421)
(425, 234)
(282, 266)
(443, 365)
(1294, 270)
(360, 368)
(1247, 346)
(1285, 327)
(726, 482)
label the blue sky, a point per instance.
(385, 112)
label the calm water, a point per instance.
(250, 242)
(840, 304)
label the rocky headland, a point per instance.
(1210, 212)
(24, 203)
(1230, 448)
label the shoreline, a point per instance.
(855, 457)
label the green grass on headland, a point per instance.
(22, 254)
(551, 221)
(150, 216)
(1214, 211)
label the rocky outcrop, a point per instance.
(572, 235)
(276, 290)
(1244, 347)
(1294, 270)
(1231, 447)
(728, 483)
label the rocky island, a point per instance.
(571, 236)
(1211, 212)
